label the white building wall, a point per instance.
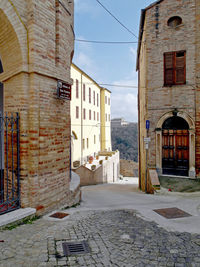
(108, 120)
(86, 129)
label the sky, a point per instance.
(110, 63)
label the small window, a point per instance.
(84, 114)
(174, 68)
(94, 139)
(83, 92)
(94, 115)
(90, 114)
(94, 97)
(83, 143)
(97, 100)
(173, 22)
(87, 143)
(77, 89)
(77, 112)
(89, 95)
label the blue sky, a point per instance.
(106, 63)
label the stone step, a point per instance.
(16, 216)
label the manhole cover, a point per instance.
(172, 213)
(59, 215)
(75, 248)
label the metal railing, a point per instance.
(9, 162)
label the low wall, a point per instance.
(107, 172)
(128, 168)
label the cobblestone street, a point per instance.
(117, 237)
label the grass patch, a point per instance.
(73, 206)
(180, 184)
(28, 220)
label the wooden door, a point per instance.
(175, 152)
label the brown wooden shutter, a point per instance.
(180, 68)
(168, 68)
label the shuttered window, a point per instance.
(174, 68)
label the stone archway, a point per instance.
(159, 140)
(13, 39)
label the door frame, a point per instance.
(185, 116)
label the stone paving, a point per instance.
(118, 238)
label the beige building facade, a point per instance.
(168, 97)
(36, 49)
(90, 117)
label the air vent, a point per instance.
(75, 248)
(59, 215)
(172, 213)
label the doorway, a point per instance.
(175, 146)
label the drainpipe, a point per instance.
(81, 119)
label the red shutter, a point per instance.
(169, 68)
(180, 68)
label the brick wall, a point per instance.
(155, 99)
(40, 44)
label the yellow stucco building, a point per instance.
(90, 117)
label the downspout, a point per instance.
(81, 119)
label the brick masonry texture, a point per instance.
(156, 99)
(35, 54)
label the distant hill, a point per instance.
(125, 139)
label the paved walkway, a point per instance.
(115, 221)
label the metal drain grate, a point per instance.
(75, 248)
(59, 215)
(172, 213)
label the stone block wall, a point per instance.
(128, 168)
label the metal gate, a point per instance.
(9, 162)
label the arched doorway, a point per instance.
(175, 146)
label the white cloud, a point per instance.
(124, 99)
(85, 7)
(124, 106)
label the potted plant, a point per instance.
(93, 167)
(91, 159)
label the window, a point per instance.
(94, 139)
(94, 97)
(97, 116)
(106, 99)
(109, 101)
(174, 68)
(84, 114)
(77, 89)
(77, 112)
(173, 22)
(87, 143)
(83, 92)
(83, 143)
(89, 95)
(94, 116)
(97, 100)
(90, 114)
